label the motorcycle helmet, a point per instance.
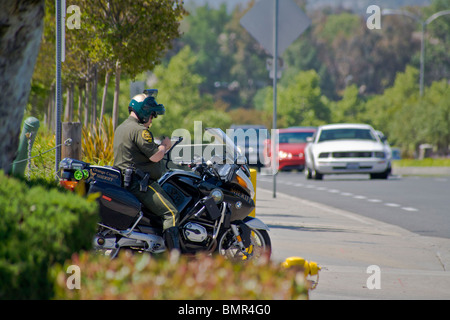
(144, 105)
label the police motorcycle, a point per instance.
(214, 198)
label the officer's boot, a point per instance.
(172, 239)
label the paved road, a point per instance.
(418, 204)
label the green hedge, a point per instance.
(41, 225)
(173, 277)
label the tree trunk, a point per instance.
(94, 95)
(72, 95)
(48, 114)
(116, 96)
(21, 24)
(51, 110)
(68, 110)
(86, 104)
(105, 91)
(80, 102)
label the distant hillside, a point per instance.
(359, 6)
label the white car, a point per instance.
(347, 149)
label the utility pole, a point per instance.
(60, 53)
(275, 72)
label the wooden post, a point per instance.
(71, 130)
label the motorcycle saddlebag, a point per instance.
(119, 209)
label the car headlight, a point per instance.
(284, 155)
(217, 195)
(380, 154)
(324, 155)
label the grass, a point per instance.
(43, 163)
(428, 162)
(97, 145)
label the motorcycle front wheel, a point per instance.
(228, 246)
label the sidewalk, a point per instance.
(345, 244)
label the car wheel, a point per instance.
(383, 175)
(317, 175)
(308, 173)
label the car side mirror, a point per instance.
(309, 139)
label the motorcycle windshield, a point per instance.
(232, 152)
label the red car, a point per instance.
(292, 143)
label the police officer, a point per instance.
(134, 146)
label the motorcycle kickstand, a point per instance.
(114, 253)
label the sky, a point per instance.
(358, 5)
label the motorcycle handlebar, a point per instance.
(179, 139)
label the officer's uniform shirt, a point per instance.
(133, 146)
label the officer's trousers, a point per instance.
(156, 200)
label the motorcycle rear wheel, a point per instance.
(260, 246)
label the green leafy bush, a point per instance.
(43, 161)
(179, 278)
(98, 142)
(40, 225)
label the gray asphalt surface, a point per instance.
(420, 204)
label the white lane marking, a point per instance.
(394, 205)
(410, 209)
(346, 194)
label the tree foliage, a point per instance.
(133, 34)
(179, 91)
(336, 71)
(301, 102)
(115, 37)
(351, 108)
(410, 120)
(437, 40)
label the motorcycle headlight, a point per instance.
(217, 195)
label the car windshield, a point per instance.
(346, 134)
(294, 137)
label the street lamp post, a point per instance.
(423, 24)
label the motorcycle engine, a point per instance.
(194, 232)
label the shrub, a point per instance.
(43, 163)
(174, 277)
(40, 225)
(98, 142)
